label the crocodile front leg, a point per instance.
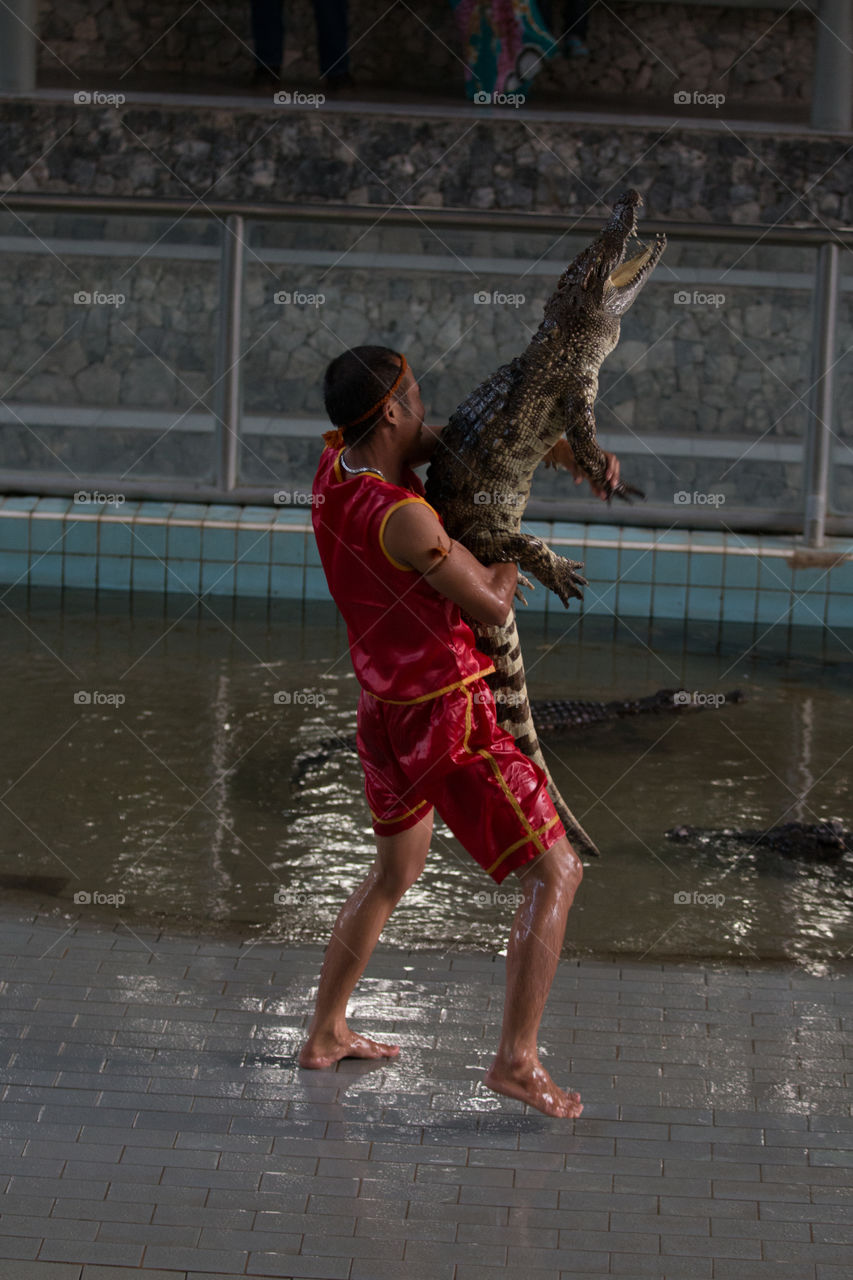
(533, 556)
(554, 571)
(581, 428)
(584, 451)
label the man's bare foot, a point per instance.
(528, 1081)
(323, 1049)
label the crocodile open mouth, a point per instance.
(629, 270)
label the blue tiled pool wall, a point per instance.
(263, 552)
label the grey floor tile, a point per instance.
(24, 1270)
(299, 1268)
(126, 1255)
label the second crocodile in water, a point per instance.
(532, 410)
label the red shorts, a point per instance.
(448, 751)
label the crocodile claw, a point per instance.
(622, 490)
(523, 582)
(570, 583)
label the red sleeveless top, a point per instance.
(408, 643)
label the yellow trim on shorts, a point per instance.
(425, 697)
(400, 816)
(531, 835)
(524, 840)
(520, 814)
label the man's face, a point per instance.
(412, 402)
(408, 410)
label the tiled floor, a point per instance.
(153, 1123)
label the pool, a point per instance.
(149, 750)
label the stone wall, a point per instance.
(295, 153)
(636, 50)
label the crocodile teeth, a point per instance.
(631, 268)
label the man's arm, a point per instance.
(415, 537)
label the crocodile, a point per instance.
(819, 841)
(539, 407)
(551, 716)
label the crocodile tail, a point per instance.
(509, 685)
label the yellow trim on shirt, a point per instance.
(407, 568)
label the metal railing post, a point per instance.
(18, 24)
(818, 441)
(228, 373)
(833, 66)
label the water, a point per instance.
(178, 802)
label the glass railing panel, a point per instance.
(110, 332)
(703, 397)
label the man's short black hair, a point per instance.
(355, 381)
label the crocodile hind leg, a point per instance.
(509, 686)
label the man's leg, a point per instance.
(399, 861)
(549, 885)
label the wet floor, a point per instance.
(148, 761)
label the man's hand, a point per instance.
(414, 536)
(562, 455)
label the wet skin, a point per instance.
(548, 885)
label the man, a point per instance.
(427, 734)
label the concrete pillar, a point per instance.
(18, 19)
(832, 95)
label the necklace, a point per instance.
(358, 471)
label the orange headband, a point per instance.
(335, 438)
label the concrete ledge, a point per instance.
(270, 553)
